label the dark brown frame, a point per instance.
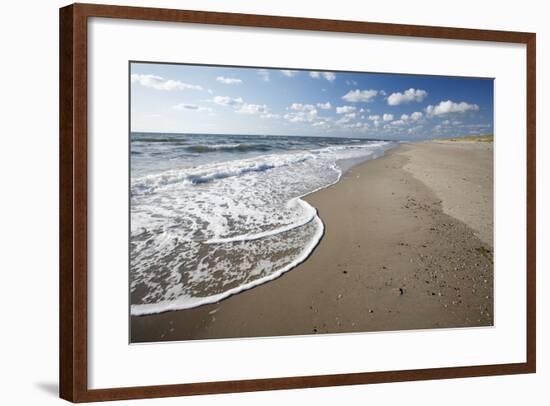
(73, 307)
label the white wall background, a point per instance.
(28, 203)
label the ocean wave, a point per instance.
(189, 302)
(160, 140)
(310, 214)
(210, 172)
(205, 148)
(201, 234)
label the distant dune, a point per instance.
(468, 138)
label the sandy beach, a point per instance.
(407, 245)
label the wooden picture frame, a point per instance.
(73, 201)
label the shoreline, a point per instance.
(162, 307)
(391, 258)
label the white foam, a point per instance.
(183, 234)
(311, 213)
(187, 302)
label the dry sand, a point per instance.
(466, 190)
(407, 245)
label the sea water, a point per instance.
(213, 215)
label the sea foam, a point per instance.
(208, 228)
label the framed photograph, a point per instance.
(255, 202)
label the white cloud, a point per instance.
(410, 95)
(323, 122)
(302, 107)
(301, 113)
(264, 74)
(399, 122)
(330, 76)
(240, 106)
(190, 107)
(357, 95)
(159, 83)
(358, 126)
(446, 107)
(387, 117)
(415, 130)
(417, 115)
(324, 106)
(346, 119)
(301, 116)
(320, 124)
(289, 73)
(270, 115)
(229, 81)
(228, 101)
(252, 108)
(345, 109)
(404, 117)
(325, 75)
(374, 117)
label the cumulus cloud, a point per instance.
(301, 113)
(345, 109)
(410, 95)
(320, 124)
(247, 108)
(239, 105)
(229, 81)
(417, 115)
(400, 122)
(159, 83)
(301, 116)
(289, 73)
(357, 95)
(374, 117)
(324, 106)
(302, 107)
(357, 126)
(190, 107)
(387, 117)
(447, 107)
(325, 75)
(330, 76)
(228, 101)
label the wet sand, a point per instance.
(407, 245)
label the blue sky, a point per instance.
(227, 100)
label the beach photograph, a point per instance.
(268, 202)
